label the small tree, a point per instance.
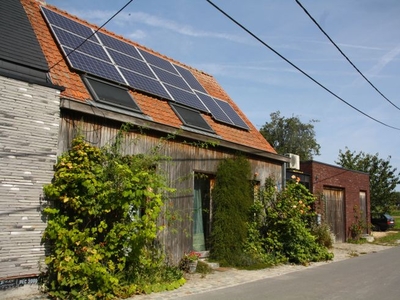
(382, 177)
(290, 135)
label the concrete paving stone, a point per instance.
(221, 277)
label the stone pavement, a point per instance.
(227, 277)
(222, 277)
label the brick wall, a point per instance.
(324, 176)
(29, 125)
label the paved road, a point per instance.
(373, 276)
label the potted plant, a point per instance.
(192, 259)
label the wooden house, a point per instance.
(60, 75)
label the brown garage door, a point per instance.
(334, 210)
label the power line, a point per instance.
(297, 68)
(344, 55)
(85, 40)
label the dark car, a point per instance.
(382, 222)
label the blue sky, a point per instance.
(260, 82)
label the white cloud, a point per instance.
(383, 61)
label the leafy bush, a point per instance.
(102, 225)
(322, 235)
(286, 221)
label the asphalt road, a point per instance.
(373, 276)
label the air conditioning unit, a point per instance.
(294, 161)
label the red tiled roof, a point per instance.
(158, 110)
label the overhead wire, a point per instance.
(296, 67)
(344, 55)
(85, 40)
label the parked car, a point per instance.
(382, 222)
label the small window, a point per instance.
(191, 118)
(111, 94)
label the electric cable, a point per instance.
(85, 40)
(297, 68)
(344, 55)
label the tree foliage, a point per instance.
(102, 225)
(290, 135)
(382, 177)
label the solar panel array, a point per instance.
(110, 58)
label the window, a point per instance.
(191, 118)
(111, 94)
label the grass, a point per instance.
(391, 238)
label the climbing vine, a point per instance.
(102, 225)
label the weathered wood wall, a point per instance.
(184, 160)
(29, 125)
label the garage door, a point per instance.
(334, 212)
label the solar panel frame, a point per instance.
(215, 110)
(158, 61)
(63, 22)
(70, 40)
(145, 84)
(88, 64)
(190, 79)
(118, 45)
(171, 79)
(186, 98)
(131, 63)
(231, 113)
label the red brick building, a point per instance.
(343, 196)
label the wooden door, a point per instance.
(335, 217)
(363, 209)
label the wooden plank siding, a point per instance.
(184, 160)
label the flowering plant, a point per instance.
(192, 256)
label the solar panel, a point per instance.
(214, 108)
(131, 63)
(145, 84)
(171, 79)
(118, 45)
(72, 41)
(186, 98)
(190, 79)
(231, 113)
(158, 61)
(135, 67)
(93, 66)
(66, 23)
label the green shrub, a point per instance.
(102, 225)
(232, 198)
(322, 235)
(287, 219)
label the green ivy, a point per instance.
(102, 225)
(232, 198)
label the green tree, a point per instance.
(290, 135)
(382, 177)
